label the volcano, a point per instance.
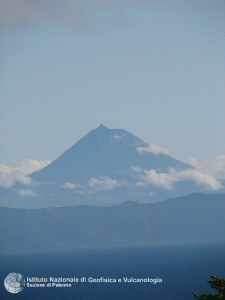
(107, 167)
(105, 152)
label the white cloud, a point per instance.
(153, 148)
(207, 173)
(136, 169)
(140, 183)
(71, 186)
(9, 175)
(117, 137)
(166, 180)
(214, 167)
(27, 193)
(151, 194)
(8, 178)
(198, 177)
(25, 166)
(103, 183)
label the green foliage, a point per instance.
(219, 285)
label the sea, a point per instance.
(160, 272)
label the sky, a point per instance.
(153, 68)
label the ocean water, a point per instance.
(183, 267)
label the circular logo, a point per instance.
(14, 283)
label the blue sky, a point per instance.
(156, 70)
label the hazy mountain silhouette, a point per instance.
(104, 152)
(105, 167)
(196, 217)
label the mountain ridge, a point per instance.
(196, 217)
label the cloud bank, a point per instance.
(207, 173)
(214, 167)
(166, 180)
(9, 175)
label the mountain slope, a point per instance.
(104, 152)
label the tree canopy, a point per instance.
(219, 285)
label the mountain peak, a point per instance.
(102, 127)
(104, 160)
